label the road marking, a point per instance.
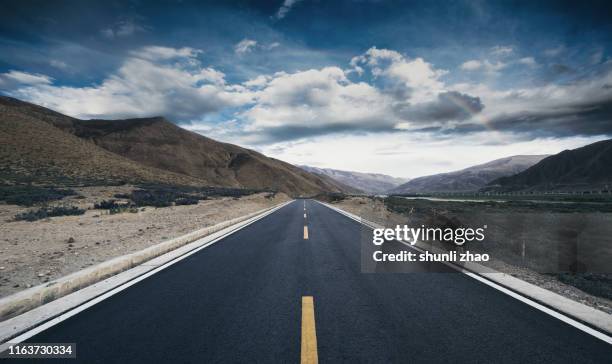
(304, 215)
(305, 232)
(309, 353)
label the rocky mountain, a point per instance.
(366, 182)
(42, 146)
(469, 179)
(588, 167)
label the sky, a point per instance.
(405, 88)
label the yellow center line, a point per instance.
(305, 232)
(309, 353)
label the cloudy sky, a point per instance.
(406, 88)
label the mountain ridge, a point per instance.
(471, 178)
(137, 150)
(366, 182)
(586, 167)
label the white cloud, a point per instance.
(554, 52)
(157, 53)
(418, 78)
(528, 61)
(58, 64)
(321, 101)
(285, 8)
(245, 46)
(471, 65)
(421, 77)
(143, 86)
(15, 79)
(490, 67)
(212, 75)
(315, 99)
(249, 45)
(122, 28)
(258, 82)
(373, 57)
(502, 51)
(486, 66)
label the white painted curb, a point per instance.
(32, 306)
(550, 302)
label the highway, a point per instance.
(289, 288)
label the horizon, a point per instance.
(328, 85)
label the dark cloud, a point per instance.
(594, 118)
(580, 119)
(289, 132)
(450, 106)
(558, 69)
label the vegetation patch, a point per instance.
(46, 212)
(186, 201)
(595, 284)
(114, 207)
(107, 205)
(423, 205)
(163, 196)
(332, 197)
(24, 195)
(155, 198)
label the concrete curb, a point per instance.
(31, 298)
(587, 315)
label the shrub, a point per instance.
(122, 208)
(107, 205)
(115, 208)
(155, 198)
(186, 201)
(45, 212)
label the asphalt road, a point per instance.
(240, 300)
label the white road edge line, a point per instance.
(44, 326)
(558, 315)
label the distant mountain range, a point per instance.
(469, 179)
(366, 182)
(588, 167)
(38, 145)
